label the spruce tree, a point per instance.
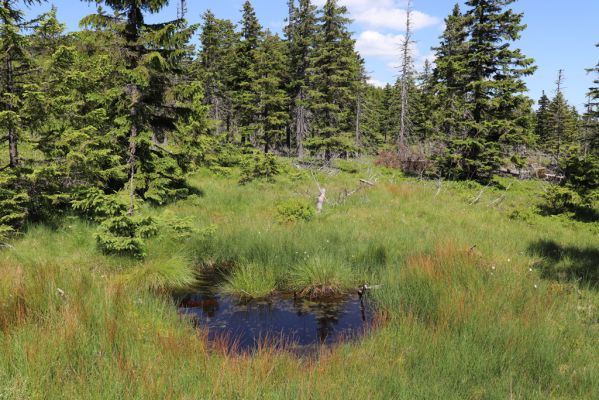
(495, 110)
(245, 95)
(422, 99)
(451, 77)
(15, 70)
(152, 55)
(542, 120)
(335, 71)
(372, 120)
(389, 113)
(17, 93)
(562, 127)
(300, 33)
(79, 79)
(580, 188)
(591, 137)
(272, 102)
(216, 57)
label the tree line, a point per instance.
(100, 120)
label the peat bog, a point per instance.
(283, 320)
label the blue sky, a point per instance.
(559, 35)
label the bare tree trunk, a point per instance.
(560, 123)
(217, 116)
(406, 72)
(358, 115)
(288, 139)
(230, 127)
(301, 125)
(135, 94)
(587, 127)
(13, 150)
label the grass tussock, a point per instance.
(251, 280)
(162, 275)
(321, 276)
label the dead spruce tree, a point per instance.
(406, 68)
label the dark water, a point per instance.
(283, 321)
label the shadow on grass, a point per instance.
(586, 214)
(578, 213)
(194, 190)
(568, 263)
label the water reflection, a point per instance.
(285, 320)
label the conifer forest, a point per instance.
(221, 210)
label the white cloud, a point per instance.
(393, 18)
(385, 46)
(381, 23)
(376, 44)
(376, 82)
(388, 14)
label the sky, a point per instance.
(560, 34)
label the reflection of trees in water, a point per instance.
(327, 315)
(208, 303)
(206, 298)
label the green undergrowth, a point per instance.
(480, 297)
(251, 281)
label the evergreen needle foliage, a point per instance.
(124, 146)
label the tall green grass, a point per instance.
(466, 310)
(322, 276)
(251, 281)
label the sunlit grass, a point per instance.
(173, 273)
(322, 276)
(467, 311)
(251, 281)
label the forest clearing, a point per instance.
(215, 210)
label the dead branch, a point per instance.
(480, 194)
(439, 184)
(345, 194)
(500, 199)
(366, 182)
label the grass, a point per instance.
(481, 299)
(321, 276)
(251, 281)
(173, 273)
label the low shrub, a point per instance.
(332, 147)
(221, 171)
(164, 182)
(296, 209)
(123, 235)
(412, 160)
(13, 207)
(558, 200)
(349, 166)
(94, 204)
(259, 166)
(527, 215)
